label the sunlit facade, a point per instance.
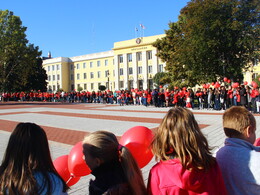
(130, 64)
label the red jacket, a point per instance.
(169, 177)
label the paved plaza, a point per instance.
(67, 124)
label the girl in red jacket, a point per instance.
(186, 165)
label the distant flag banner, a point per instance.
(142, 26)
(136, 29)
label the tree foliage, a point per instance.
(20, 62)
(212, 39)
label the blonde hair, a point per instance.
(179, 135)
(236, 119)
(104, 145)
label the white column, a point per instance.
(135, 76)
(145, 74)
(154, 61)
(125, 71)
(116, 72)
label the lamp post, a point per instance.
(108, 79)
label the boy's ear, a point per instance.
(248, 131)
(98, 161)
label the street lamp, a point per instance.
(108, 79)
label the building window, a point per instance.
(91, 64)
(150, 69)
(54, 87)
(49, 68)
(98, 74)
(129, 57)
(58, 67)
(84, 65)
(85, 86)
(72, 87)
(49, 78)
(121, 84)
(106, 62)
(92, 86)
(78, 66)
(120, 58)
(53, 77)
(98, 63)
(72, 77)
(99, 84)
(139, 56)
(71, 67)
(149, 55)
(53, 67)
(78, 76)
(92, 75)
(85, 75)
(140, 68)
(130, 70)
(160, 68)
(106, 73)
(121, 71)
(58, 77)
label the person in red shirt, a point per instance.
(186, 166)
(167, 97)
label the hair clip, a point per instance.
(119, 147)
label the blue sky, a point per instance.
(70, 28)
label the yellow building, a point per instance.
(130, 64)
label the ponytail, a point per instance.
(132, 171)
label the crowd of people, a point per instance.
(185, 164)
(206, 97)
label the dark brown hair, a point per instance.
(27, 152)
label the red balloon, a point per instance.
(225, 79)
(228, 81)
(138, 139)
(255, 85)
(212, 83)
(184, 88)
(160, 86)
(245, 82)
(175, 88)
(76, 163)
(61, 166)
(259, 79)
(257, 142)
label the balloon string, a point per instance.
(69, 179)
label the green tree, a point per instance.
(160, 78)
(212, 39)
(20, 63)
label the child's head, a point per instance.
(28, 147)
(102, 147)
(27, 152)
(179, 136)
(238, 122)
